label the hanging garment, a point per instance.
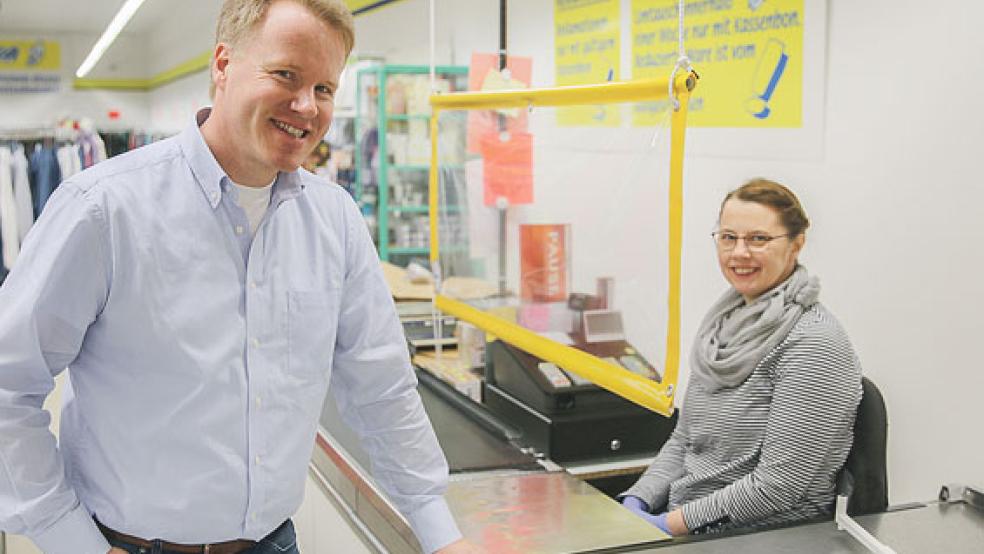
(45, 173)
(22, 193)
(86, 154)
(8, 211)
(92, 149)
(116, 143)
(98, 148)
(69, 161)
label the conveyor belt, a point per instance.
(468, 445)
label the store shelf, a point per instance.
(396, 250)
(376, 131)
(420, 209)
(423, 167)
(409, 250)
(410, 209)
(407, 117)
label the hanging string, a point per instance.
(683, 62)
(433, 41)
(680, 49)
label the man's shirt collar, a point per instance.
(210, 174)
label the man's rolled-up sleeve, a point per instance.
(375, 389)
(56, 290)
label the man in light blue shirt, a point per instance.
(202, 337)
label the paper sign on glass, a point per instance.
(484, 75)
(508, 171)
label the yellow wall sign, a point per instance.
(29, 67)
(749, 54)
(21, 55)
(587, 50)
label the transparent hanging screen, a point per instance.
(554, 230)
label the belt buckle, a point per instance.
(207, 549)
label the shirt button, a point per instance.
(252, 284)
(239, 229)
(258, 401)
(257, 460)
(256, 343)
(215, 196)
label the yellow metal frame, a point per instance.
(657, 397)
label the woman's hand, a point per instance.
(639, 507)
(671, 523)
(675, 524)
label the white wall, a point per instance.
(895, 197)
(175, 41)
(173, 105)
(125, 60)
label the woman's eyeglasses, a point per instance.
(726, 240)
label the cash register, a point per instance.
(564, 416)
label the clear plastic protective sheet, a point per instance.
(560, 229)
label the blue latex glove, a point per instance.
(636, 504)
(639, 507)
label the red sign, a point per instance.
(507, 168)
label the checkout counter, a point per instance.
(506, 497)
(535, 465)
(510, 501)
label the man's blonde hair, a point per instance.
(239, 18)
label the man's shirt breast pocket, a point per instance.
(312, 323)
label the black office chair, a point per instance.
(864, 479)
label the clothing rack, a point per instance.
(37, 133)
(48, 156)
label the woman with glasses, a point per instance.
(767, 420)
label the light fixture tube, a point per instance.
(123, 16)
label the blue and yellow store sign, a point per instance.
(39, 55)
(29, 66)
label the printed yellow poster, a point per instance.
(587, 50)
(30, 55)
(748, 53)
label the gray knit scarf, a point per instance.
(734, 337)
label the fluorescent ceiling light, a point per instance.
(123, 16)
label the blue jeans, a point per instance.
(282, 540)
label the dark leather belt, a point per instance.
(227, 547)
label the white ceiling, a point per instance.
(161, 34)
(92, 16)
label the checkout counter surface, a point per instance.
(502, 498)
(506, 502)
(923, 529)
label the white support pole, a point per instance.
(433, 47)
(853, 528)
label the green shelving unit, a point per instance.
(372, 173)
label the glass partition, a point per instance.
(558, 231)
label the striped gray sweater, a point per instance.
(767, 451)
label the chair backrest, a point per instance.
(864, 478)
